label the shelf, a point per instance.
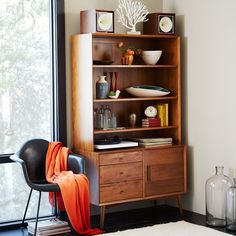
(126, 130)
(135, 66)
(140, 36)
(134, 99)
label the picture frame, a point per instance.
(105, 21)
(92, 21)
(160, 24)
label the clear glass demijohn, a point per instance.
(231, 208)
(216, 192)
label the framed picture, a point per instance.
(105, 21)
(159, 23)
(92, 21)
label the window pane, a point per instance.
(25, 97)
(14, 195)
(25, 83)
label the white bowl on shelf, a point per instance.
(151, 57)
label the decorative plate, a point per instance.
(147, 91)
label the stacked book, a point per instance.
(151, 122)
(153, 142)
(49, 227)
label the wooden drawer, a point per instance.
(121, 191)
(121, 172)
(120, 157)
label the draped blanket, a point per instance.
(74, 188)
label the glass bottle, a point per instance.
(100, 118)
(216, 191)
(231, 208)
(113, 123)
(107, 117)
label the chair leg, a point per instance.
(55, 203)
(36, 222)
(26, 208)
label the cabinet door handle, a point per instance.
(148, 173)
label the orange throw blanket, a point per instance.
(74, 188)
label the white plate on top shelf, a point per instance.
(147, 91)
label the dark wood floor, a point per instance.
(135, 219)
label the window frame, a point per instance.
(58, 77)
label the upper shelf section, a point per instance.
(111, 48)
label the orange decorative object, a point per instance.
(74, 189)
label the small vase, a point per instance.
(216, 192)
(231, 208)
(101, 87)
(132, 120)
(130, 59)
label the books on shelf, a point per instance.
(163, 113)
(150, 145)
(153, 142)
(151, 122)
(49, 227)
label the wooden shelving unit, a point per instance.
(125, 175)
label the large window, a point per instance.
(30, 90)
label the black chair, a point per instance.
(32, 157)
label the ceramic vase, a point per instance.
(216, 192)
(101, 87)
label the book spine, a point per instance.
(160, 113)
(167, 114)
(151, 125)
(163, 113)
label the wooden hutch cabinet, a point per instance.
(128, 174)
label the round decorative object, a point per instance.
(105, 21)
(166, 24)
(147, 91)
(150, 111)
(216, 192)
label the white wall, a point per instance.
(208, 35)
(72, 24)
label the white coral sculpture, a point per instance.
(130, 13)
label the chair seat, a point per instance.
(45, 186)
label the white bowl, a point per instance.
(147, 91)
(151, 57)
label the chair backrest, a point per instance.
(33, 153)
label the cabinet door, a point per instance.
(165, 170)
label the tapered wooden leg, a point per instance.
(102, 216)
(180, 203)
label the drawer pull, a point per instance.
(148, 173)
(121, 159)
(121, 173)
(121, 191)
